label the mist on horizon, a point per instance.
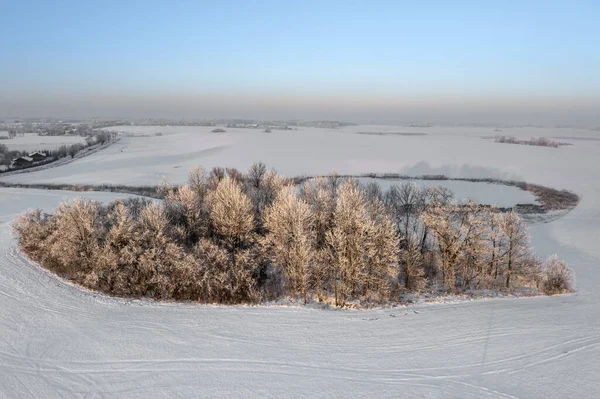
(382, 61)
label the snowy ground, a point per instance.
(31, 142)
(59, 341)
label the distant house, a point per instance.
(21, 162)
(37, 156)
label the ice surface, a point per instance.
(484, 193)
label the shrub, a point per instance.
(557, 277)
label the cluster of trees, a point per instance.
(232, 237)
(541, 142)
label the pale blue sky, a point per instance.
(436, 52)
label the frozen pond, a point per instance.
(484, 193)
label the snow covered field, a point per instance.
(59, 341)
(451, 151)
(31, 142)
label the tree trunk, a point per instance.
(509, 265)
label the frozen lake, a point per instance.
(454, 152)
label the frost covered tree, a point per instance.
(411, 260)
(75, 240)
(474, 258)
(154, 241)
(382, 244)
(34, 228)
(321, 201)
(456, 228)
(516, 244)
(319, 197)
(231, 214)
(495, 242)
(362, 252)
(215, 279)
(558, 278)
(198, 182)
(262, 188)
(347, 239)
(184, 208)
(120, 253)
(289, 222)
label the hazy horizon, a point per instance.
(382, 61)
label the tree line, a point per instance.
(233, 237)
(540, 142)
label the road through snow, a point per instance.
(57, 340)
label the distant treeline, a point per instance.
(540, 142)
(391, 134)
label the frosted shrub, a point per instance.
(34, 228)
(557, 277)
(74, 242)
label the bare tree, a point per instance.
(411, 260)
